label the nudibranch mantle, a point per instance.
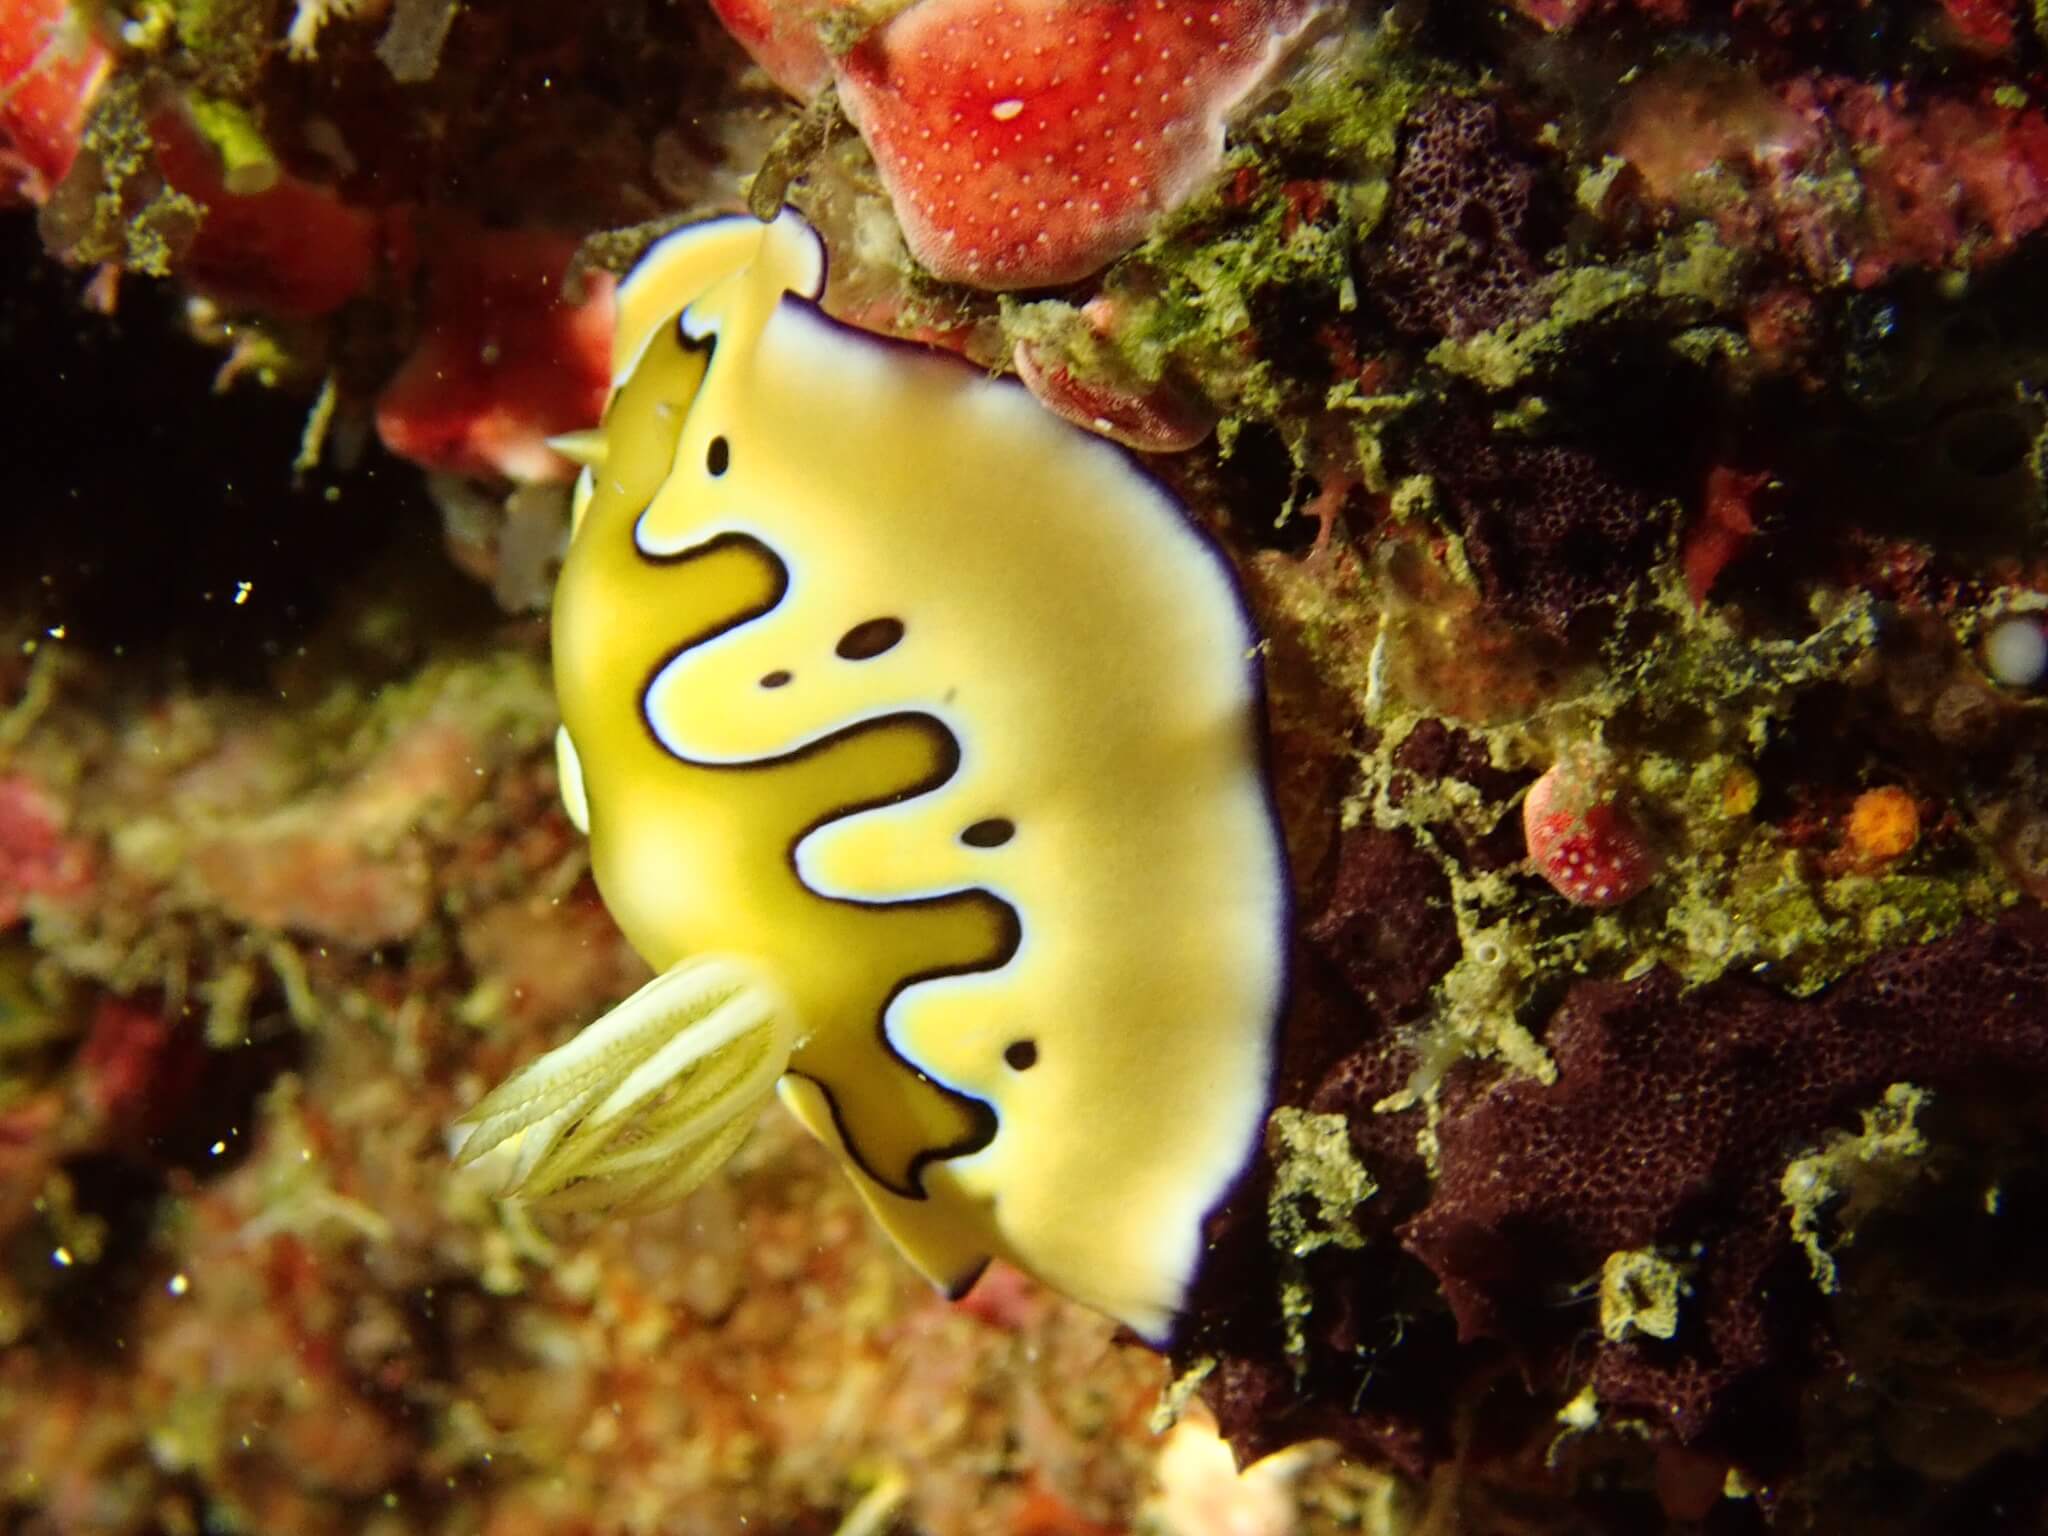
(916, 733)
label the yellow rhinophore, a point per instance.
(915, 732)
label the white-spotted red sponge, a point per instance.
(1581, 836)
(1027, 143)
(784, 38)
(51, 68)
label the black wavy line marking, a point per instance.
(1012, 929)
(981, 1115)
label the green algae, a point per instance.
(247, 164)
(1688, 705)
(1304, 184)
(37, 1013)
(1500, 359)
(225, 46)
(1734, 893)
(843, 28)
(1697, 265)
(1692, 271)
(1770, 915)
(1318, 1185)
(795, 149)
(615, 250)
(296, 1190)
(115, 206)
(1851, 1174)
(1696, 666)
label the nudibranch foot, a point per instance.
(644, 1104)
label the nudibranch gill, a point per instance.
(916, 733)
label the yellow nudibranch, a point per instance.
(916, 735)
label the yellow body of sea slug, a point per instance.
(916, 735)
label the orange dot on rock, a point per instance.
(1883, 824)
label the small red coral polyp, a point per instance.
(504, 361)
(1154, 418)
(294, 250)
(1724, 529)
(124, 1052)
(1582, 839)
(1027, 143)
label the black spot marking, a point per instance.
(718, 457)
(869, 639)
(776, 679)
(992, 833)
(1022, 1055)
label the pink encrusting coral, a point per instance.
(505, 360)
(1853, 181)
(1951, 180)
(37, 857)
(1983, 26)
(1027, 143)
(1091, 386)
